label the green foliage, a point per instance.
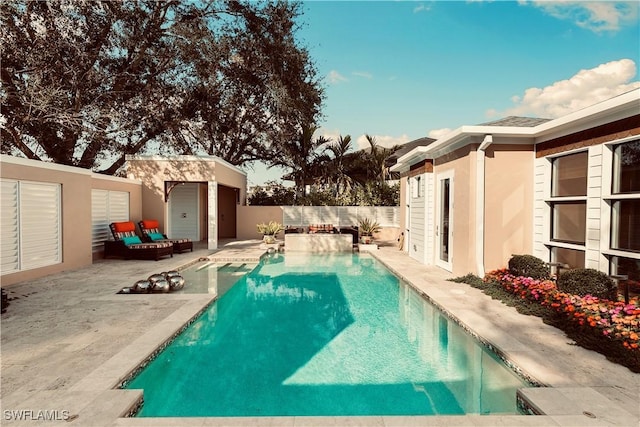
(497, 292)
(85, 83)
(587, 281)
(470, 279)
(270, 229)
(272, 194)
(584, 337)
(367, 227)
(528, 266)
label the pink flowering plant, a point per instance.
(611, 322)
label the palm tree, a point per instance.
(377, 157)
(301, 156)
(338, 174)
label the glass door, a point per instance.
(444, 225)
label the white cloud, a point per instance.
(382, 141)
(438, 133)
(364, 74)
(586, 88)
(336, 77)
(597, 16)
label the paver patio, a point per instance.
(68, 339)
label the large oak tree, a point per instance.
(85, 83)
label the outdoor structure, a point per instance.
(56, 218)
(194, 197)
(565, 190)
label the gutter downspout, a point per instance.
(480, 208)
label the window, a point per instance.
(569, 222)
(106, 207)
(574, 258)
(568, 205)
(625, 198)
(31, 225)
(625, 234)
(416, 187)
(626, 168)
(626, 266)
(570, 175)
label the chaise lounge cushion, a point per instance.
(131, 240)
(150, 229)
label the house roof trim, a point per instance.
(611, 109)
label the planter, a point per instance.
(366, 240)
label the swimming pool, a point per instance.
(324, 335)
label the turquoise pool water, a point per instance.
(324, 335)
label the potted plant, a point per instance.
(367, 227)
(270, 230)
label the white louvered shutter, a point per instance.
(9, 227)
(40, 237)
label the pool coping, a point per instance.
(97, 397)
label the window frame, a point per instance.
(613, 199)
(551, 201)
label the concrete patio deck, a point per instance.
(68, 340)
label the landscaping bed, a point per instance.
(609, 326)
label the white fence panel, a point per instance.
(340, 216)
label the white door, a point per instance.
(407, 216)
(184, 209)
(444, 220)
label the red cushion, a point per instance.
(150, 223)
(121, 227)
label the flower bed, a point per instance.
(611, 327)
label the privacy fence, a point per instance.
(340, 216)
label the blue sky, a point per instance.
(401, 70)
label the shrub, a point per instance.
(528, 266)
(587, 281)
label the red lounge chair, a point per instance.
(150, 230)
(127, 244)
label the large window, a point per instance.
(625, 197)
(568, 205)
(570, 175)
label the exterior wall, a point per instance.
(508, 209)
(462, 163)
(598, 143)
(226, 175)
(76, 224)
(134, 188)
(250, 216)
(154, 171)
